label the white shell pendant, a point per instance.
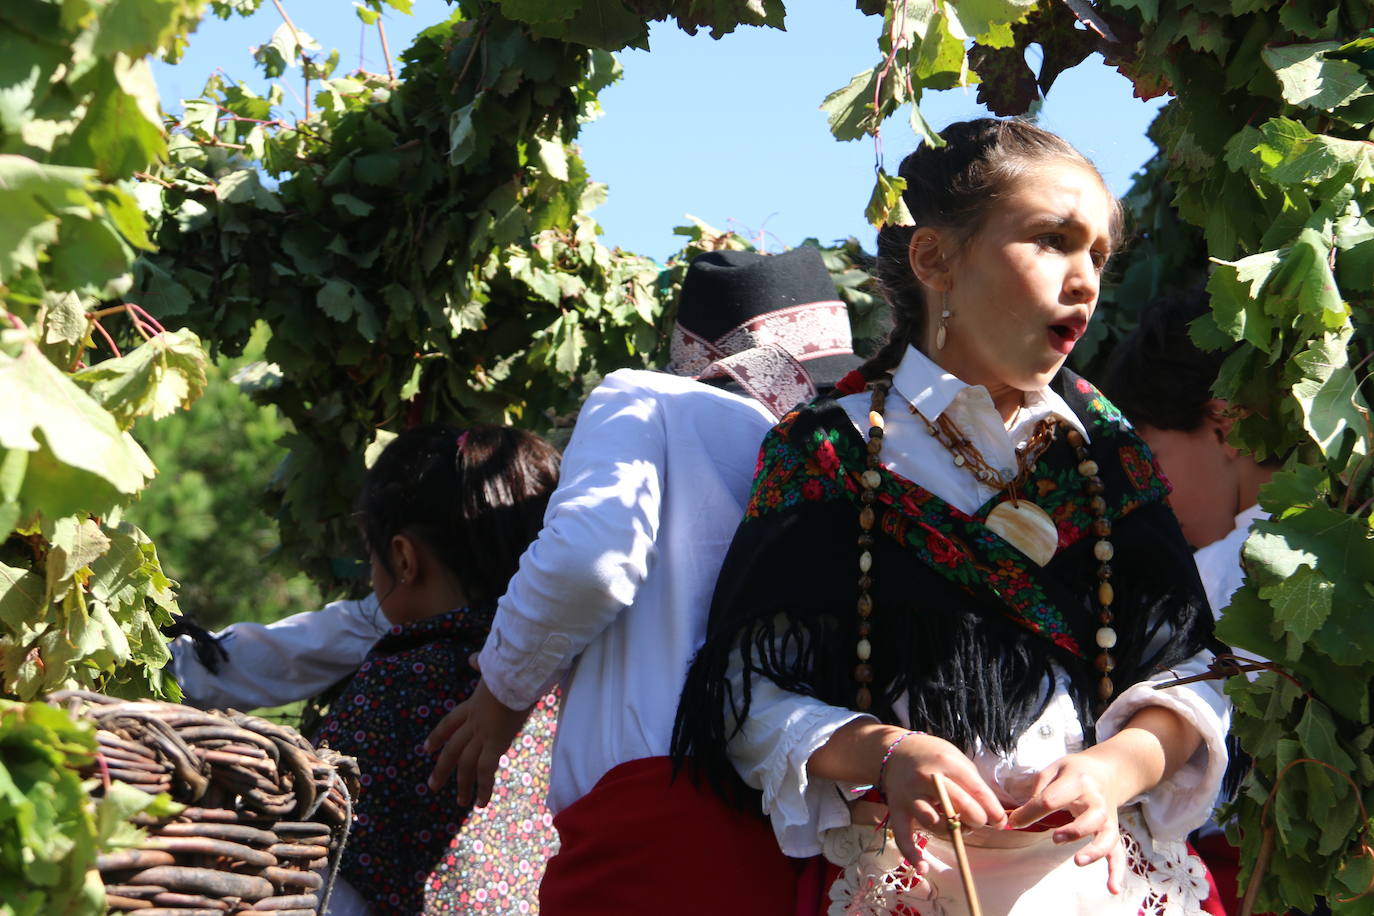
(1027, 527)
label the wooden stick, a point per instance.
(956, 833)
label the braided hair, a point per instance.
(954, 187)
(476, 498)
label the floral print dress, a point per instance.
(412, 851)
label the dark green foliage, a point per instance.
(204, 509)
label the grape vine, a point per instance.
(420, 245)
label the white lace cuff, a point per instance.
(1182, 802)
(782, 732)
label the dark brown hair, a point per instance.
(1156, 374)
(476, 498)
(954, 187)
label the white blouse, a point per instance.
(613, 596)
(784, 729)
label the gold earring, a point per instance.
(944, 322)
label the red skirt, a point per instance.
(644, 842)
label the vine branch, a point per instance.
(386, 52)
(305, 69)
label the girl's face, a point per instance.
(1022, 289)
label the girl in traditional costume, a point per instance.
(446, 514)
(963, 572)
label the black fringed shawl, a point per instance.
(963, 623)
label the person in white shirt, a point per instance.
(1163, 382)
(252, 665)
(611, 599)
(965, 578)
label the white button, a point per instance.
(1046, 731)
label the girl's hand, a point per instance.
(1083, 785)
(913, 801)
(471, 739)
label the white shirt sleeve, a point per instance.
(771, 752)
(1183, 801)
(594, 551)
(276, 663)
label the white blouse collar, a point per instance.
(930, 389)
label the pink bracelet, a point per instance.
(887, 755)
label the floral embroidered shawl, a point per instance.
(964, 625)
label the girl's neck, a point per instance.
(1006, 399)
(430, 599)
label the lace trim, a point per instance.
(768, 374)
(805, 331)
(1170, 879)
(1162, 879)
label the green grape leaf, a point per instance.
(462, 133)
(552, 158)
(282, 50)
(886, 206)
(89, 253)
(31, 194)
(23, 597)
(1302, 284)
(1233, 287)
(977, 18)
(338, 299)
(539, 12)
(850, 109)
(1293, 155)
(1312, 80)
(1329, 395)
(80, 460)
(164, 374)
(244, 187)
(1310, 20)
(121, 130)
(1302, 602)
(74, 543)
(64, 319)
(1294, 489)
(1317, 730)
(605, 24)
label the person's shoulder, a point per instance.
(1099, 416)
(653, 381)
(1225, 551)
(682, 396)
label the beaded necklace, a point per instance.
(965, 455)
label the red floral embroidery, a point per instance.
(912, 502)
(1066, 642)
(945, 551)
(1140, 469)
(812, 490)
(826, 458)
(1086, 386)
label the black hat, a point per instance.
(733, 301)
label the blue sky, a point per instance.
(729, 131)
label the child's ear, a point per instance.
(405, 559)
(929, 258)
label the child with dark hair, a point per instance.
(445, 514)
(1163, 382)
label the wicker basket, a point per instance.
(268, 815)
